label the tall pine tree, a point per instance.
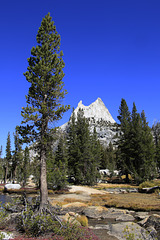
(123, 157)
(17, 159)
(136, 148)
(72, 145)
(25, 170)
(150, 168)
(83, 150)
(8, 159)
(156, 136)
(135, 145)
(45, 95)
(57, 165)
(1, 163)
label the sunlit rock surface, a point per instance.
(99, 117)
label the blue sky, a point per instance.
(111, 50)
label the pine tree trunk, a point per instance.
(5, 175)
(127, 177)
(43, 182)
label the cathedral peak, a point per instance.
(96, 110)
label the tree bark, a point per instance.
(5, 175)
(43, 181)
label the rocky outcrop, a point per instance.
(10, 186)
(127, 230)
(111, 213)
(149, 190)
(6, 236)
(152, 224)
(77, 207)
(95, 212)
(70, 219)
(75, 218)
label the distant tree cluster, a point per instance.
(15, 166)
(79, 154)
(156, 136)
(135, 145)
(84, 153)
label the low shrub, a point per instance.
(149, 184)
(22, 191)
(50, 191)
(3, 215)
(35, 225)
(74, 232)
(52, 238)
(83, 220)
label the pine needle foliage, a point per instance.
(135, 153)
(45, 95)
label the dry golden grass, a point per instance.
(148, 184)
(101, 186)
(70, 200)
(78, 192)
(83, 220)
(135, 201)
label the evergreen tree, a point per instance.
(104, 158)
(108, 160)
(123, 156)
(45, 74)
(157, 155)
(1, 163)
(25, 170)
(17, 158)
(82, 168)
(156, 132)
(0, 151)
(111, 157)
(8, 159)
(82, 146)
(35, 169)
(96, 152)
(135, 146)
(57, 165)
(72, 145)
(142, 148)
(149, 169)
(135, 153)
(156, 136)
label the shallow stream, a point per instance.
(4, 198)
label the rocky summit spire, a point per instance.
(98, 117)
(96, 110)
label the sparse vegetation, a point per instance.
(149, 184)
(3, 215)
(83, 220)
(134, 201)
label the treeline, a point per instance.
(79, 155)
(15, 166)
(137, 145)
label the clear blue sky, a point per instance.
(111, 50)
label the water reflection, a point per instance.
(4, 198)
